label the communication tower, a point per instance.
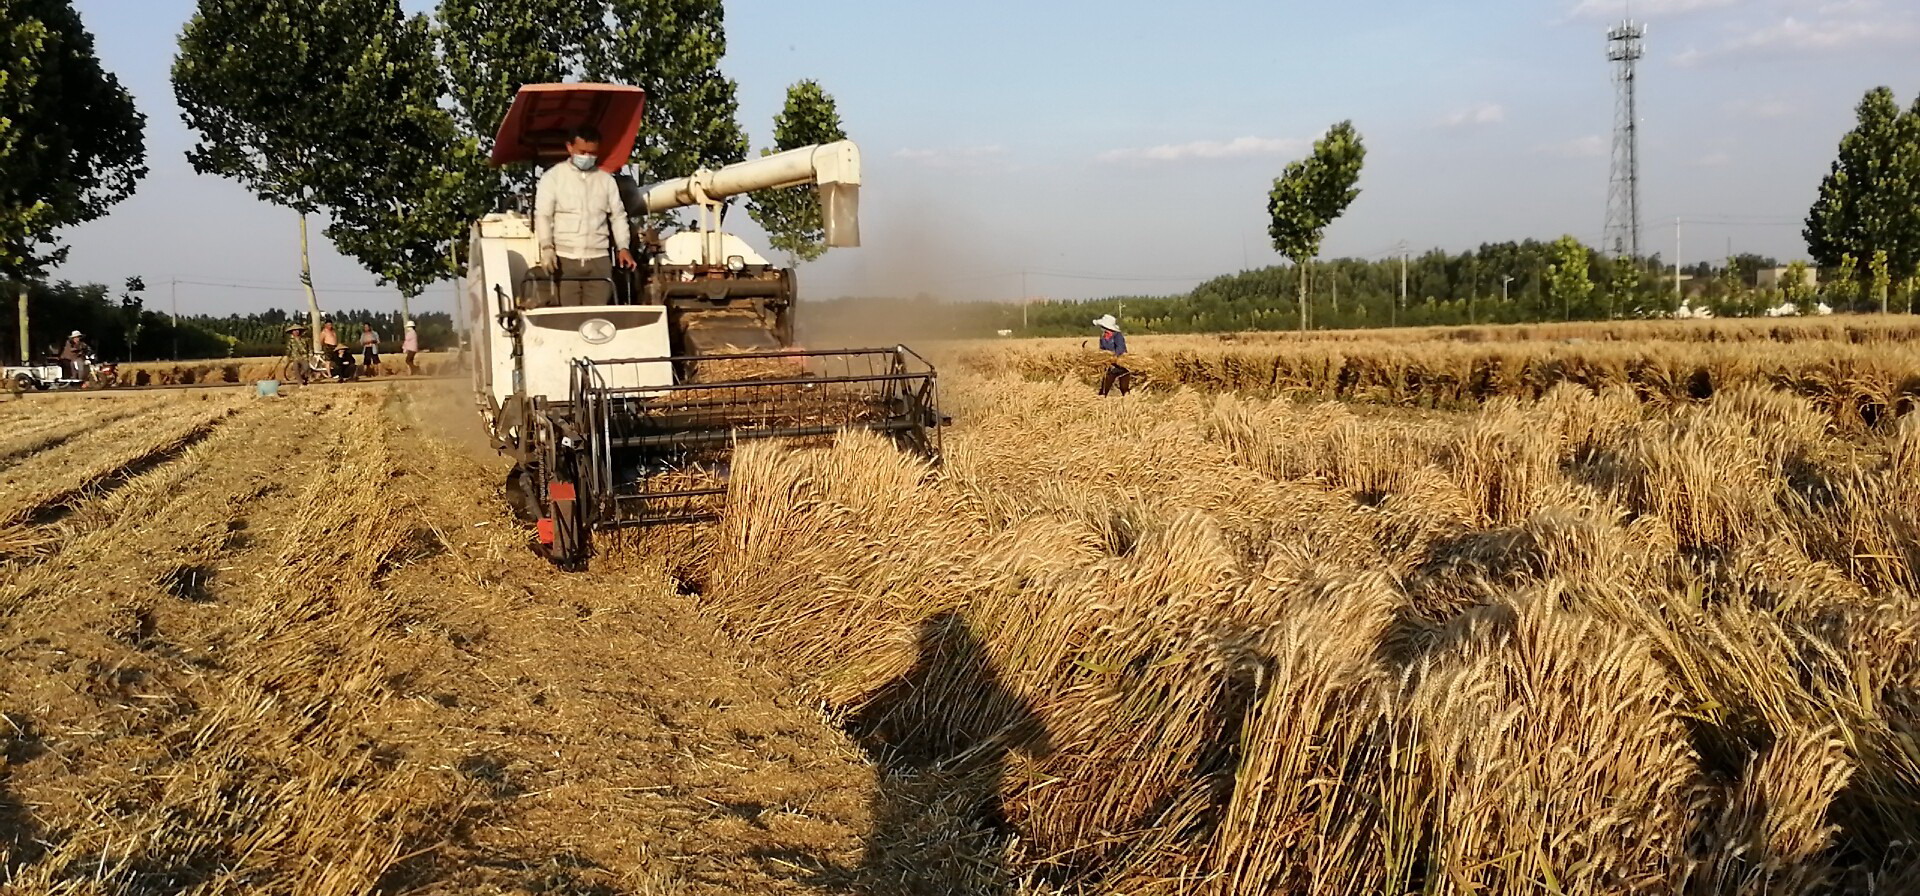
(1623, 187)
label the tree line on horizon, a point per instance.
(376, 120)
(120, 327)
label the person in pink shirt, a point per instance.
(410, 344)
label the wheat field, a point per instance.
(1858, 371)
(1583, 630)
(1585, 637)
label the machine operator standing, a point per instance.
(578, 222)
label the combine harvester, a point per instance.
(625, 415)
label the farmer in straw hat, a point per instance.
(411, 345)
(1113, 342)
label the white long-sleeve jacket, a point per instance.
(577, 211)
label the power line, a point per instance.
(1071, 275)
(1064, 275)
(251, 287)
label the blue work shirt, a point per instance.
(1113, 341)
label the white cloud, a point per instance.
(1589, 147)
(1483, 113)
(1848, 7)
(1237, 148)
(1823, 35)
(1616, 9)
(950, 157)
(1758, 108)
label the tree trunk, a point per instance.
(1303, 295)
(26, 347)
(405, 313)
(459, 297)
(306, 280)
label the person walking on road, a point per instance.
(410, 344)
(578, 221)
(1114, 343)
(369, 349)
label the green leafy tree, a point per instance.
(1870, 199)
(267, 85)
(131, 306)
(1842, 290)
(414, 181)
(491, 48)
(791, 216)
(1568, 284)
(1795, 288)
(672, 50)
(1623, 284)
(71, 142)
(1310, 194)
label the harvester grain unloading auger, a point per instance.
(626, 414)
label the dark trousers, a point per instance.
(1116, 376)
(581, 281)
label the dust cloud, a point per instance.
(922, 274)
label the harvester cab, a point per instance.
(626, 414)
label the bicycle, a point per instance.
(302, 363)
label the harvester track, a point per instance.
(313, 617)
(56, 506)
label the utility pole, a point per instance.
(1023, 303)
(1504, 280)
(1403, 281)
(173, 293)
(1678, 295)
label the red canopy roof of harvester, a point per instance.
(537, 125)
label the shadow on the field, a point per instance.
(19, 833)
(940, 737)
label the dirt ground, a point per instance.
(303, 648)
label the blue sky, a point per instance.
(1126, 147)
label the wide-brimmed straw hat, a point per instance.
(73, 334)
(1106, 322)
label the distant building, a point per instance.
(1776, 278)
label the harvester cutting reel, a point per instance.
(627, 456)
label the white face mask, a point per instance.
(585, 161)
